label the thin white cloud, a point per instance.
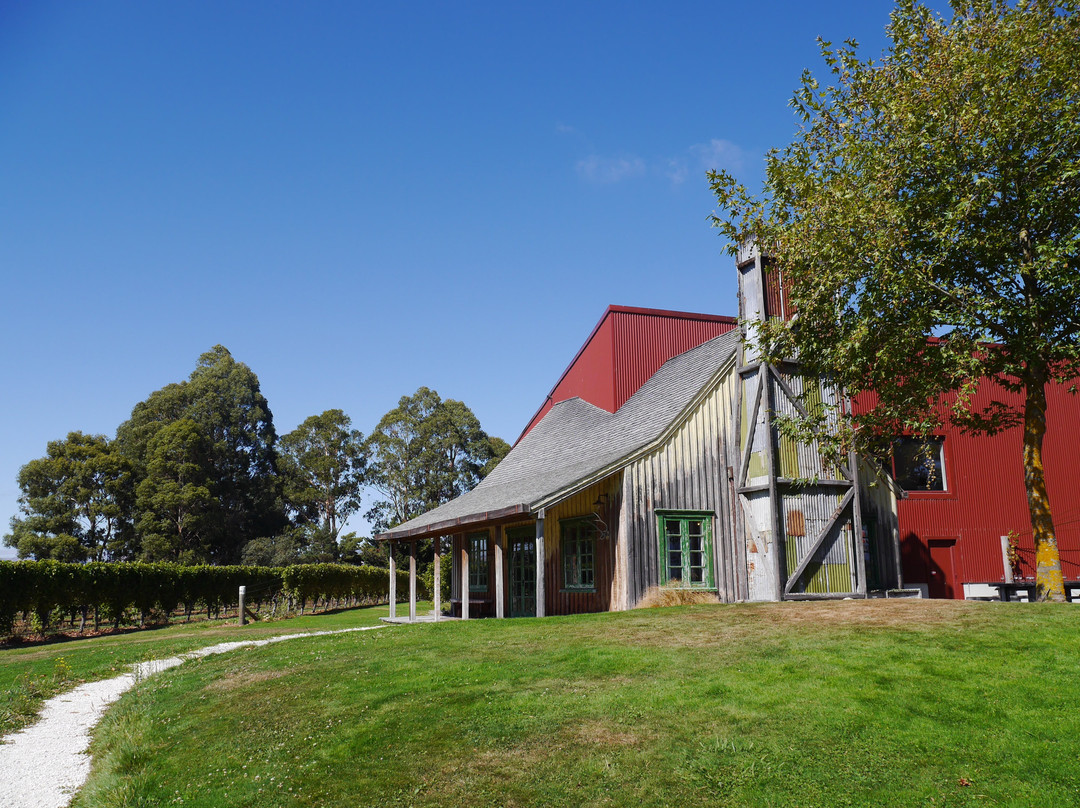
(719, 153)
(701, 157)
(599, 169)
(692, 163)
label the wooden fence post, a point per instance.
(243, 617)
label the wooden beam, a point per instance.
(508, 514)
(819, 540)
(500, 606)
(436, 544)
(802, 411)
(412, 582)
(393, 580)
(750, 432)
(540, 563)
(775, 505)
(464, 577)
(856, 525)
(786, 481)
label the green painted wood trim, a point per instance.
(707, 518)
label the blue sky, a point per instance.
(358, 199)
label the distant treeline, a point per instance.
(102, 592)
(198, 475)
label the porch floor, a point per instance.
(420, 618)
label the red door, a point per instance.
(940, 578)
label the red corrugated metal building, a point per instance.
(625, 348)
(950, 539)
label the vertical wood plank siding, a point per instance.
(559, 600)
(689, 472)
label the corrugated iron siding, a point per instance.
(806, 512)
(986, 498)
(557, 599)
(689, 472)
(643, 342)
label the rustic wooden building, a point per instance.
(676, 479)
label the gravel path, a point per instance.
(43, 765)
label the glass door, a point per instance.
(522, 572)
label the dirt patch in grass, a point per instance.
(875, 613)
(241, 680)
(705, 626)
(601, 733)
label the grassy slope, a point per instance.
(30, 675)
(855, 703)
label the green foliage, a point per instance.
(45, 588)
(323, 463)
(931, 203)
(75, 502)
(424, 452)
(177, 511)
(926, 223)
(211, 482)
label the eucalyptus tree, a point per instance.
(223, 399)
(177, 503)
(323, 464)
(926, 222)
(424, 452)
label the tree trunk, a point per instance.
(1049, 583)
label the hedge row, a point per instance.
(110, 590)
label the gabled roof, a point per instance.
(576, 441)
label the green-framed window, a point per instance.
(686, 549)
(578, 550)
(478, 561)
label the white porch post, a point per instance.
(464, 577)
(412, 582)
(500, 610)
(540, 563)
(393, 579)
(436, 544)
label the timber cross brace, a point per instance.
(800, 517)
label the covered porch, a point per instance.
(498, 567)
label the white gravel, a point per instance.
(43, 765)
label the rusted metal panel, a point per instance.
(689, 472)
(986, 499)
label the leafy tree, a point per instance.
(222, 398)
(76, 503)
(424, 452)
(178, 511)
(926, 221)
(300, 544)
(322, 464)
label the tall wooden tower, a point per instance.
(800, 518)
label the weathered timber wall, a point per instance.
(689, 472)
(559, 600)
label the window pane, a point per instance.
(578, 547)
(919, 466)
(478, 562)
(686, 550)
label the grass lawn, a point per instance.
(30, 675)
(799, 704)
